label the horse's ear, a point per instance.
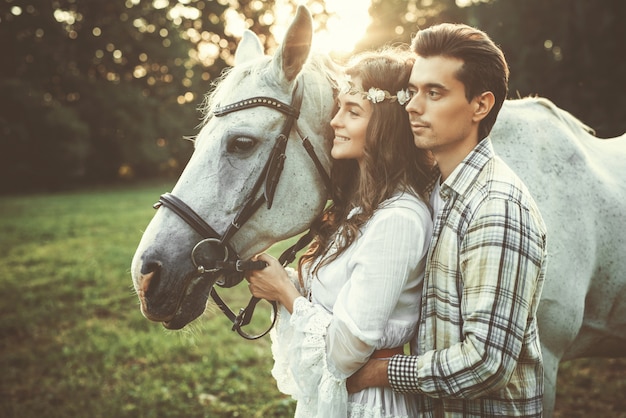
(249, 48)
(295, 49)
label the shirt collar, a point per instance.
(464, 175)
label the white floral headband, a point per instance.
(374, 95)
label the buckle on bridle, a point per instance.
(200, 255)
(238, 322)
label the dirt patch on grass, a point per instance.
(591, 388)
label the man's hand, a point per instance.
(372, 374)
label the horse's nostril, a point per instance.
(144, 283)
(150, 275)
(150, 267)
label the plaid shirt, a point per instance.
(477, 348)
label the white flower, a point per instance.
(404, 96)
(375, 95)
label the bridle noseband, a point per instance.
(214, 254)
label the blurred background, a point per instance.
(101, 91)
(96, 100)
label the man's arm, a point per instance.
(501, 263)
(372, 374)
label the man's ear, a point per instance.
(483, 103)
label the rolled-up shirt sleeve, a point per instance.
(501, 257)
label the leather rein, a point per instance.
(214, 254)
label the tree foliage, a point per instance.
(98, 90)
(570, 51)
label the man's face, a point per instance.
(442, 120)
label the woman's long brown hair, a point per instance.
(391, 160)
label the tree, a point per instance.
(569, 51)
(97, 90)
(394, 21)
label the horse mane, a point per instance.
(318, 71)
(230, 77)
(564, 116)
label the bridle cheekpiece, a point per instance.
(214, 254)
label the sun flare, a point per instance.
(343, 30)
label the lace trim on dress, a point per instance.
(357, 410)
(299, 348)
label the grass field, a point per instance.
(74, 344)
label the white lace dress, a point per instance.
(367, 299)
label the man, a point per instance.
(477, 350)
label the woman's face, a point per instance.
(350, 125)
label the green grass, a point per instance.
(73, 342)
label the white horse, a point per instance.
(579, 182)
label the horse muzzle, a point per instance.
(173, 306)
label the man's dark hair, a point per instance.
(484, 66)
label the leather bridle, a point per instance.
(214, 254)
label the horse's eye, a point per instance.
(240, 144)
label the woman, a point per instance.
(359, 291)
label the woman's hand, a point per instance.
(272, 283)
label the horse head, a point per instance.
(249, 182)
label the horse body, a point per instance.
(578, 181)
